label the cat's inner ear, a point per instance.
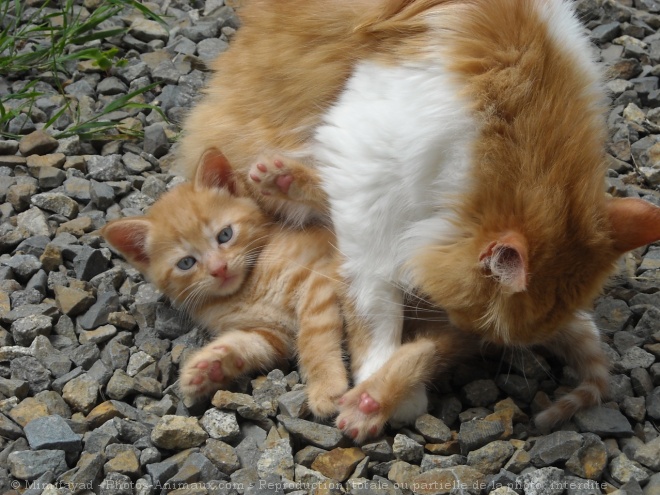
(506, 260)
(129, 237)
(215, 171)
(634, 222)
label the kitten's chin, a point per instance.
(229, 286)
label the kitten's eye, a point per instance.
(186, 263)
(225, 234)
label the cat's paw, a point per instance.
(323, 399)
(412, 407)
(361, 416)
(211, 368)
(273, 177)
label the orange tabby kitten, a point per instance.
(459, 147)
(262, 290)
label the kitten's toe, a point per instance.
(361, 416)
(271, 176)
(323, 401)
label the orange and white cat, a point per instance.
(459, 148)
(265, 292)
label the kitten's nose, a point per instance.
(220, 271)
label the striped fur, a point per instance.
(280, 298)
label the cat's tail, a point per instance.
(580, 344)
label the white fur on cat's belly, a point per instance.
(392, 152)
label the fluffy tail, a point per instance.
(580, 344)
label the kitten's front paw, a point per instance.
(361, 416)
(273, 177)
(323, 399)
(210, 369)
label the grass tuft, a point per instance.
(46, 43)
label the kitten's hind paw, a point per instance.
(361, 416)
(273, 177)
(211, 368)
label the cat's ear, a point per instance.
(215, 171)
(129, 237)
(506, 260)
(634, 222)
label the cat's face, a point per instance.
(197, 242)
(522, 289)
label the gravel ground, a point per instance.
(89, 352)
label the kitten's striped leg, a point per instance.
(579, 344)
(232, 354)
(320, 344)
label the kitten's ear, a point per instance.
(215, 171)
(129, 237)
(634, 222)
(506, 259)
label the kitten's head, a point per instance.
(520, 283)
(199, 240)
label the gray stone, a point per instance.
(555, 448)
(653, 404)
(293, 403)
(54, 360)
(115, 355)
(603, 422)
(111, 86)
(9, 429)
(480, 393)
(56, 202)
(380, 451)
(477, 433)
(277, 459)
(518, 387)
(29, 369)
(321, 436)
(612, 315)
(223, 456)
(29, 465)
(155, 140)
(77, 188)
(135, 164)
(406, 449)
(147, 30)
(208, 50)
(80, 88)
(81, 393)
(624, 470)
(634, 358)
(89, 263)
(23, 266)
(649, 455)
(220, 425)
(97, 315)
(432, 429)
(490, 458)
(52, 432)
(443, 461)
(87, 469)
(116, 484)
(178, 433)
(37, 143)
(544, 481)
(248, 452)
(85, 355)
(24, 330)
(101, 194)
(105, 168)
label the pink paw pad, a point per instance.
(215, 372)
(284, 183)
(367, 404)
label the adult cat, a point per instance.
(460, 149)
(265, 293)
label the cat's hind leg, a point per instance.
(229, 356)
(579, 344)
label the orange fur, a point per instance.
(279, 295)
(537, 183)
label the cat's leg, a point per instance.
(320, 344)
(230, 355)
(386, 396)
(288, 179)
(579, 344)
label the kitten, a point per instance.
(459, 147)
(262, 290)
